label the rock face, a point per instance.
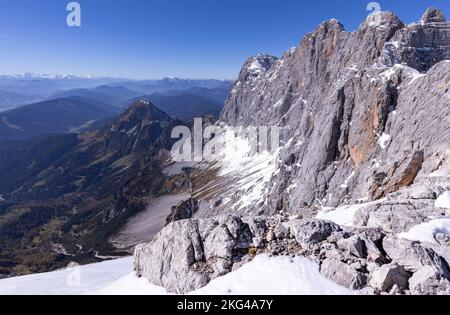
(428, 281)
(188, 254)
(354, 109)
(311, 232)
(364, 121)
(414, 256)
(388, 276)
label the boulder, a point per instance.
(354, 246)
(257, 226)
(373, 253)
(388, 276)
(396, 215)
(429, 281)
(307, 232)
(443, 239)
(414, 256)
(442, 250)
(270, 236)
(187, 254)
(395, 290)
(281, 231)
(218, 247)
(343, 274)
(171, 259)
(183, 210)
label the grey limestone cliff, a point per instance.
(364, 119)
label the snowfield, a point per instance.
(244, 173)
(73, 281)
(426, 232)
(275, 276)
(264, 275)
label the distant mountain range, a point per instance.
(10, 100)
(218, 94)
(30, 88)
(116, 96)
(48, 76)
(167, 84)
(59, 115)
(185, 106)
(44, 86)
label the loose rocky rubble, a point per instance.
(188, 254)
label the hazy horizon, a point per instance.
(93, 77)
(141, 40)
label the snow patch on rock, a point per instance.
(426, 232)
(264, 275)
(252, 170)
(383, 141)
(443, 201)
(343, 216)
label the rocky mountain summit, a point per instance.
(365, 154)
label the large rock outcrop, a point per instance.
(355, 109)
(188, 254)
(364, 120)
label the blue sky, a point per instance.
(157, 38)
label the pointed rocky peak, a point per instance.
(144, 110)
(420, 45)
(384, 19)
(433, 15)
(140, 113)
(332, 24)
(255, 66)
(328, 33)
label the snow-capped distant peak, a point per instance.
(48, 76)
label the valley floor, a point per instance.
(263, 276)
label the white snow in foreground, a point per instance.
(426, 232)
(72, 281)
(275, 276)
(130, 285)
(264, 275)
(443, 201)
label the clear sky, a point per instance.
(157, 38)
